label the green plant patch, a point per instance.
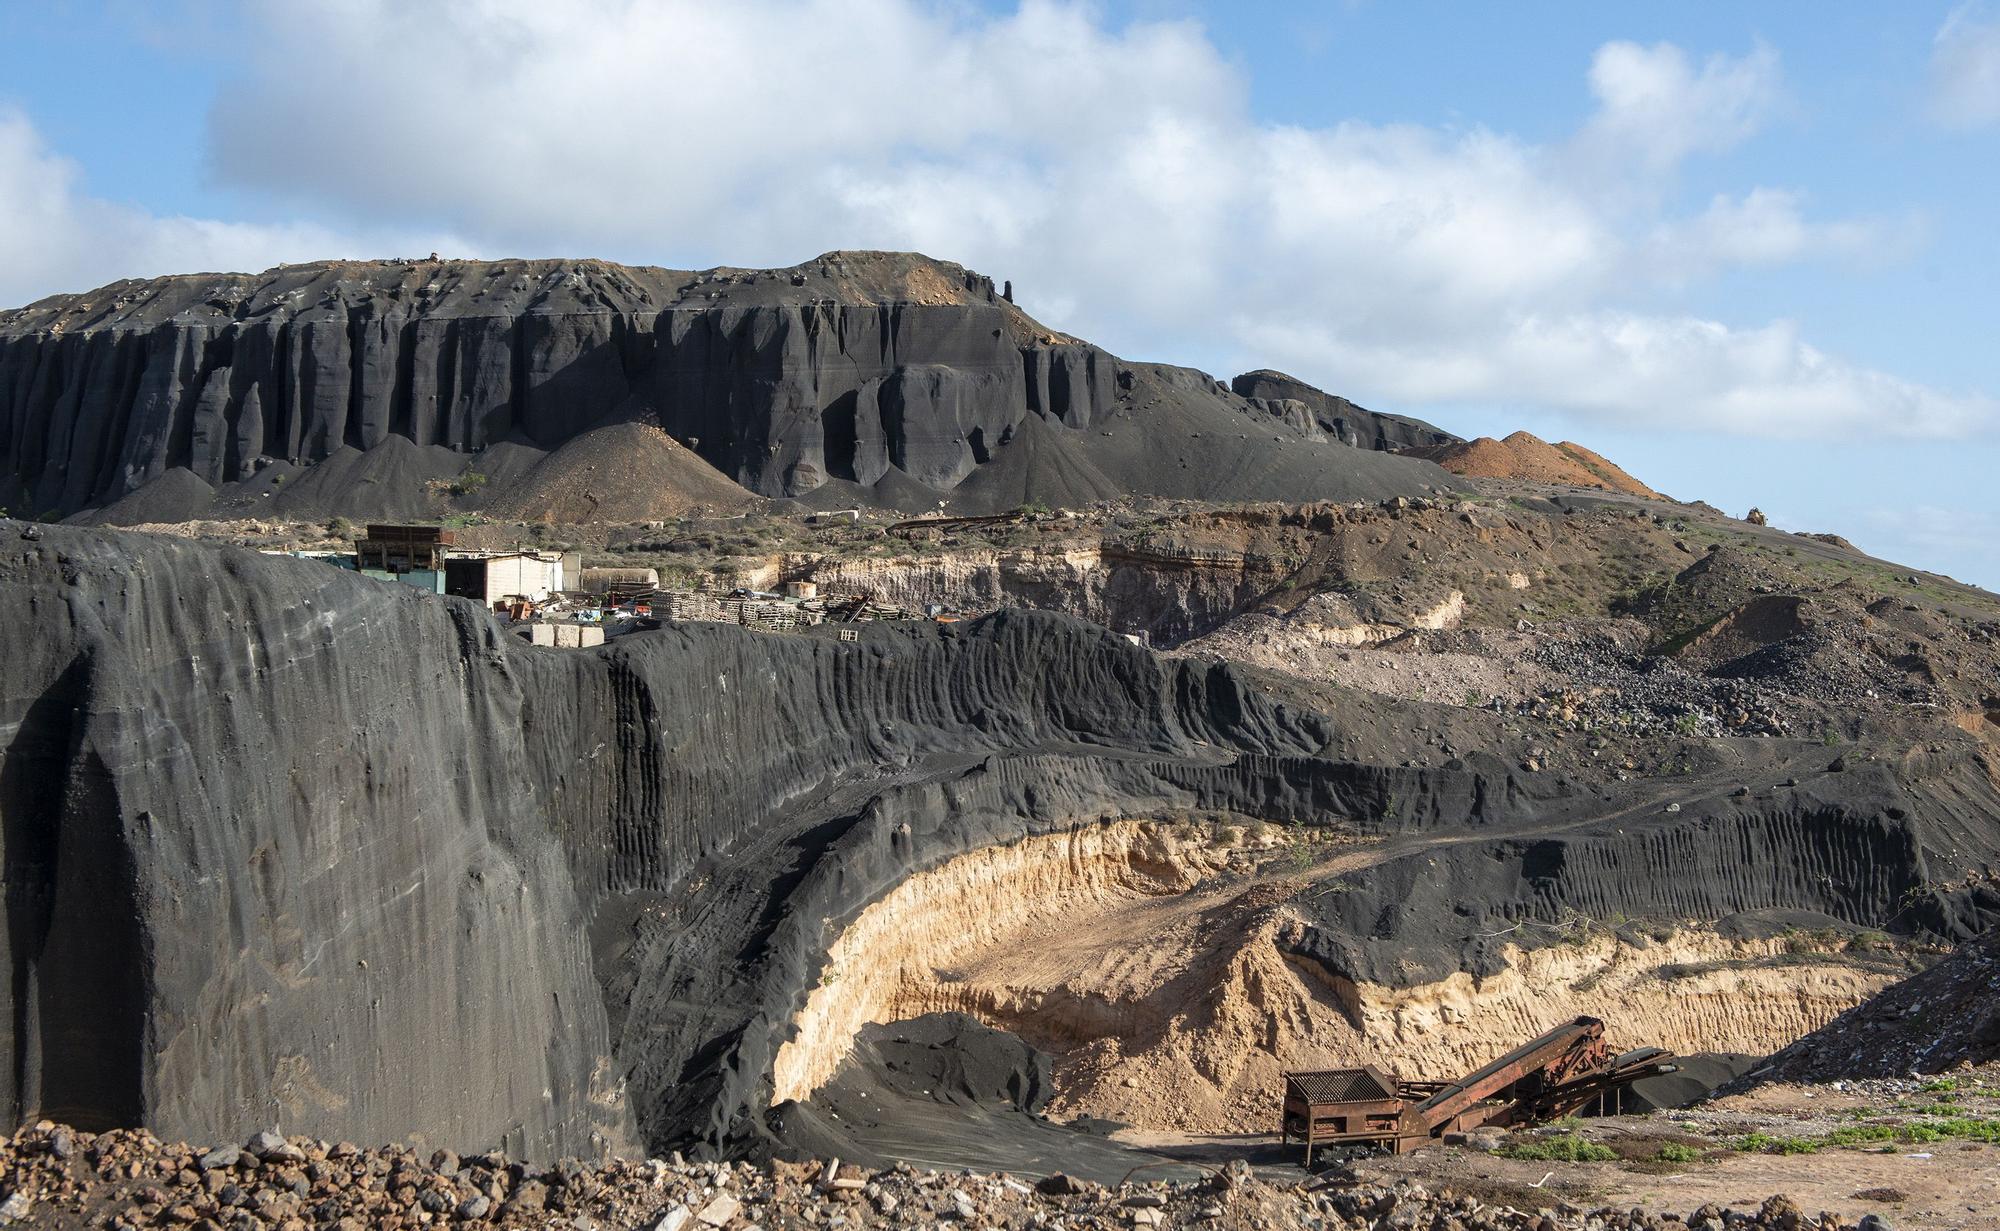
(1562, 1148)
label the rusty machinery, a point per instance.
(1547, 1077)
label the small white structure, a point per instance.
(492, 577)
(566, 636)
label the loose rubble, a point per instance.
(1942, 1019)
(55, 1176)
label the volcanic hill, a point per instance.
(375, 389)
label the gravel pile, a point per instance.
(1939, 1019)
(1611, 685)
(1827, 667)
(58, 1177)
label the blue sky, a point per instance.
(1747, 251)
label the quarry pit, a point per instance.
(1149, 959)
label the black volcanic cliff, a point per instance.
(887, 376)
(1292, 399)
(282, 844)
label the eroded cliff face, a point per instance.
(779, 397)
(281, 843)
(273, 855)
(856, 367)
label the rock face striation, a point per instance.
(882, 376)
(284, 844)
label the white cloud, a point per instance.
(614, 122)
(55, 236)
(1766, 227)
(1681, 372)
(1655, 109)
(1965, 69)
(1114, 173)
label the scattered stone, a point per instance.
(220, 1157)
(674, 1219)
(963, 1205)
(397, 1187)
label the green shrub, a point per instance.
(1678, 1152)
(1954, 1128)
(1860, 1134)
(1564, 1148)
(468, 483)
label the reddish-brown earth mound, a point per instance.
(1522, 456)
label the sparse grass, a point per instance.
(1562, 1148)
(1765, 1143)
(1955, 1128)
(1914, 1132)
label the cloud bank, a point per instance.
(1115, 174)
(55, 236)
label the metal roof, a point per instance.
(1340, 1086)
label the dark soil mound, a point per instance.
(623, 473)
(948, 1092)
(175, 496)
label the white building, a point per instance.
(493, 577)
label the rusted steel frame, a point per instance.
(1555, 1054)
